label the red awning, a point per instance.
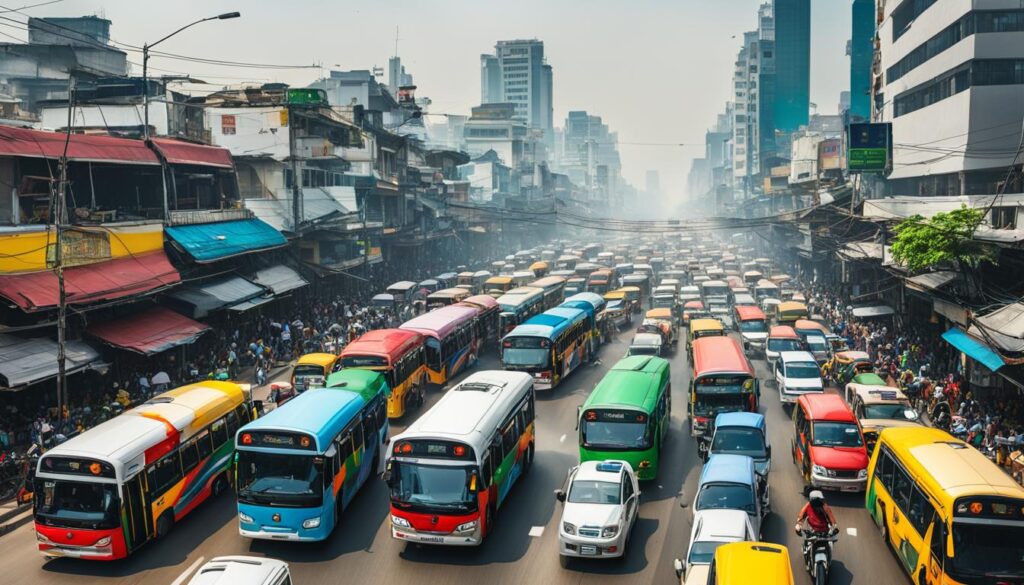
(187, 153)
(108, 149)
(102, 281)
(152, 331)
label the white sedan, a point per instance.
(711, 528)
(601, 503)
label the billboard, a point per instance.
(869, 147)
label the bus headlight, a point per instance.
(245, 518)
(397, 521)
(466, 527)
(103, 541)
(644, 464)
(311, 522)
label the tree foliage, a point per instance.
(945, 239)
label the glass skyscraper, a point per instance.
(792, 64)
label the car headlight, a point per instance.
(311, 522)
(818, 470)
(568, 528)
(247, 519)
(609, 531)
(862, 474)
(103, 541)
(466, 527)
(399, 521)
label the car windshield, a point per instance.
(275, 479)
(784, 344)
(526, 352)
(740, 441)
(817, 344)
(432, 488)
(802, 370)
(594, 492)
(701, 552)
(77, 504)
(726, 496)
(616, 436)
(991, 550)
(836, 434)
(890, 411)
(754, 326)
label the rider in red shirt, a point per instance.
(817, 513)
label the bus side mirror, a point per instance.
(560, 496)
(768, 451)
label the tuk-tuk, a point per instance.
(845, 365)
(384, 301)
(430, 285)
(703, 328)
(790, 312)
(633, 296)
(540, 269)
(664, 314)
(878, 408)
(659, 327)
(311, 370)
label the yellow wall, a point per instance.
(27, 251)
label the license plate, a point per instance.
(435, 539)
(588, 550)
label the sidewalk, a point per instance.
(12, 516)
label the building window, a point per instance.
(1004, 218)
(906, 13)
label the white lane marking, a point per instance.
(181, 578)
(537, 531)
(851, 531)
(562, 439)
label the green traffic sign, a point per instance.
(867, 159)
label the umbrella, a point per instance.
(161, 377)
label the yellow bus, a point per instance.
(311, 370)
(952, 516)
(745, 563)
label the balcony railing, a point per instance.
(194, 216)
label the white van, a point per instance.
(239, 570)
(797, 373)
(645, 344)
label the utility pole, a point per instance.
(296, 169)
(59, 219)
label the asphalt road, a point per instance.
(524, 548)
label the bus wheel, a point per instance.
(883, 527)
(491, 518)
(528, 459)
(420, 395)
(219, 485)
(164, 524)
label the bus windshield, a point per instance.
(432, 488)
(526, 352)
(710, 405)
(987, 550)
(77, 504)
(616, 435)
(754, 326)
(279, 480)
(836, 434)
(726, 496)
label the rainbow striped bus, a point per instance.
(549, 346)
(115, 487)
(300, 465)
(452, 341)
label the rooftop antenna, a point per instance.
(396, 40)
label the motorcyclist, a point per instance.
(818, 515)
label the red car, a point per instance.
(828, 444)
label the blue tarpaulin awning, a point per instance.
(209, 242)
(974, 349)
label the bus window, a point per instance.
(219, 432)
(233, 425)
(357, 437)
(189, 456)
(164, 474)
(345, 446)
(204, 445)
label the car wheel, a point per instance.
(563, 561)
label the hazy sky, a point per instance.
(656, 70)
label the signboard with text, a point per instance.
(869, 148)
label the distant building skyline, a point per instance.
(792, 64)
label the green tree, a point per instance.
(946, 239)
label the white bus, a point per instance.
(450, 471)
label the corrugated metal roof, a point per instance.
(27, 361)
(1003, 327)
(209, 242)
(279, 279)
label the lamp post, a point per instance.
(145, 64)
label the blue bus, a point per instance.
(593, 305)
(549, 346)
(298, 467)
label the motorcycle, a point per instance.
(818, 553)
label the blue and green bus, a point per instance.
(549, 346)
(298, 467)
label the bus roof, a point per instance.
(694, 305)
(447, 293)
(594, 300)
(386, 343)
(328, 411)
(125, 438)
(402, 286)
(808, 324)
(948, 465)
(547, 281)
(719, 355)
(549, 323)
(363, 382)
(439, 323)
(792, 306)
(634, 382)
(753, 562)
(499, 280)
(466, 412)
(518, 296)
(711, 283)
(706, 325)
(749, 313)
(661, 313)
(783, 332)
(479, 302)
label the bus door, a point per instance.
(907, 530)
(137, 512)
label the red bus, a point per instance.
(399, 354)
(722, 380)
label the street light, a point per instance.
(145, 64)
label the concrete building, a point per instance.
(360, 87)
(496, 127)
(397, 77)
(518, 74)
(792, 63)
(951, 81)
(588, 144)
(862, 37)
(746, 126)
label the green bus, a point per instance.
(627, 415)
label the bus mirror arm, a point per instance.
(579, 411)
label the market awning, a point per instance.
(202, 299)
(180, 152)
(973, 349)
(279, 279)
(873, 311)
(209, 242)
(80, 147)
(1003, 327)
(102, 281)
(27, 361)
(931, 280)
(152, 331)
